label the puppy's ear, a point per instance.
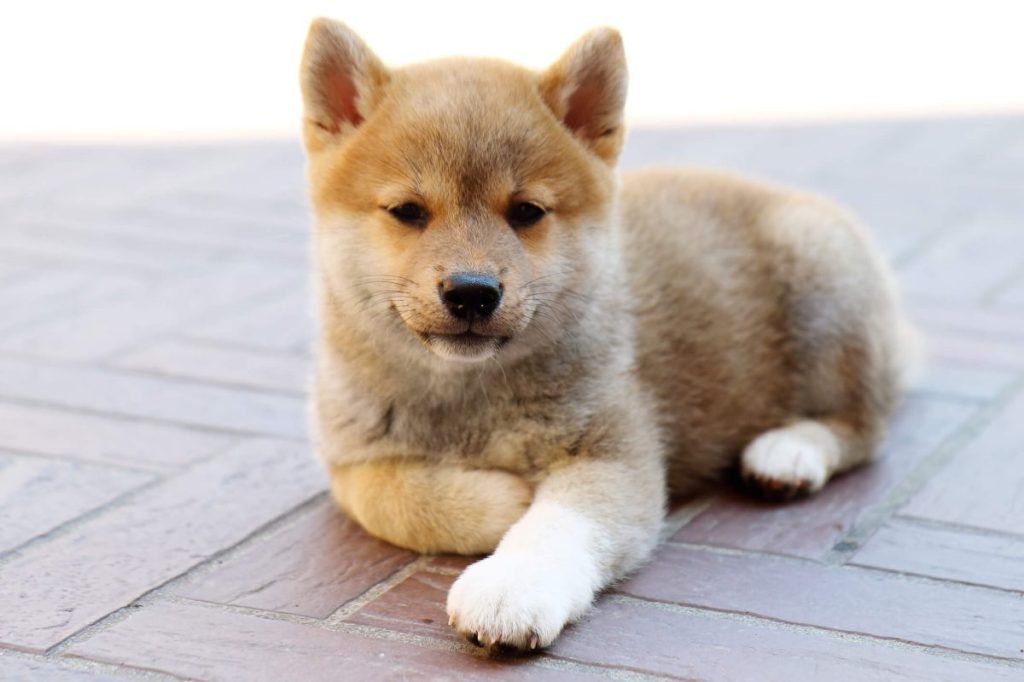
(341, 82)
(586, 88)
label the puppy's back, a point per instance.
(736, 286)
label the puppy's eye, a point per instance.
(524, 214)
(410, 213)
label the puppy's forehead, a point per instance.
(462, 85)
(471, 121)
(466, 131)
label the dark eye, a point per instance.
(410, 213)
(524, 214)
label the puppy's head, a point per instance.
(462, 204)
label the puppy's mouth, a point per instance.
(466, 346)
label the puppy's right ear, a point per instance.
(341, 82)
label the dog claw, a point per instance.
(533, 641)
(474, 639)
(451, 621)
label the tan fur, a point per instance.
(429, 508)
(654, 331)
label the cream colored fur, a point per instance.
(655, 330)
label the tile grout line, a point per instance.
(1016, 275)
(110, 464)
(157, 591)
(817, 630)
(64, 311)
(71, 525)
(88, 665)
(684, 514)
(207, 317)
(352, 606)
(101, 365)
(156, 421)
(423, 641)
(125, 498)
(851, 567)
(203, 380)
(915, 480)
(188, 337)
(903, 573)
(543, 660)
(962, 528)
(264, 533)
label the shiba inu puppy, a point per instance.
(522, 353)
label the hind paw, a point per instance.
(784, 463)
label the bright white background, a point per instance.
(110, 69)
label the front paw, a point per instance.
(516, 602)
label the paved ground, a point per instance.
(161, 516)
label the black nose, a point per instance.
(469, 295)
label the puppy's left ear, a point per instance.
(586, 88)
(341, 81)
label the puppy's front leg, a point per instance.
(431, 507)
(591, 522)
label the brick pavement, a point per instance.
(161, 516)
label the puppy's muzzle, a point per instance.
(470, 295)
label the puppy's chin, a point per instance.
(465, 348)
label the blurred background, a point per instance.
(117, 69)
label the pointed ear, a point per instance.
(341, 82)
(586, 88)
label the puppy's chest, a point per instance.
(509, 434)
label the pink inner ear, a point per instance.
(584, 106)
(341, 94)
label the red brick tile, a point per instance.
(46, 173)
(949, 553)
(310, 568)
(1012, 297)
(163, 307)
(264, 180)
(964, 264)
(984, 484)
(415, 606)
(972, 320)
(125, 393)
(95, 438)
(690, 644)
(281, 324)
(810, 527)
(853, 600)
(220, 364)
(947, 149)
(59, 587)
(210, 644)
(706, 646)
(63, 246)
(49, 292)
(38, 495)
(957, 379)
(13, 668)
(176, 231)
(882, 206)
(970, 349)
(12, 268)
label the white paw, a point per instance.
(517, 602)
(787, 462)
